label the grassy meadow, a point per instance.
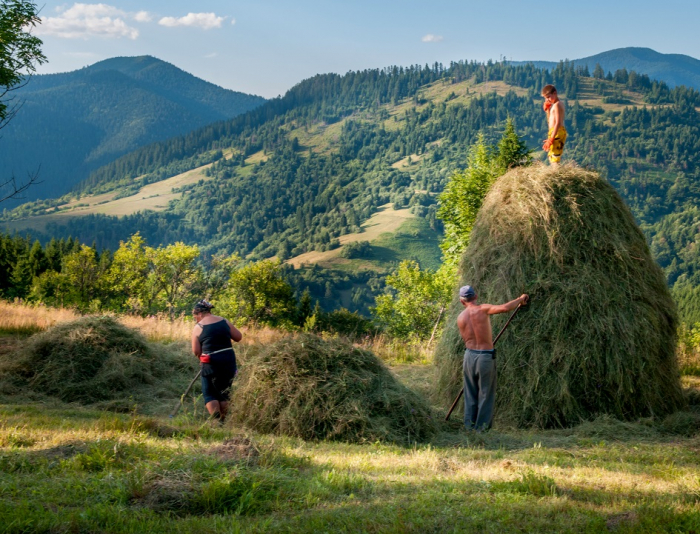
(74, 468)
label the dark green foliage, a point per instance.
(348, 324)
(356, 249)
(89, 360)
(311, 388)
(20, 50)
(333, 289)
(599, 335)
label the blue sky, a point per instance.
(266, 46)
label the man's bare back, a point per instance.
(474, 322)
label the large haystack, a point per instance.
(599, 336)
(312, 388)
(89, 360)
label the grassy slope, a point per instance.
(67, 468)
(154, 197)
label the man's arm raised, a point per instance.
(493, 309)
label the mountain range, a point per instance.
(72, 123)
(674, 69)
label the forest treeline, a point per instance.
(307, 190)
(142, 280)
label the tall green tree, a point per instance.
(127, 277)
(175, 274)
(82, 272)
(512, 151)
(465, 192)
(415, 301)
(461, 200)
(258, 293)
(20, 53)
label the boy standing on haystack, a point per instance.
(554, 108)
(480, 357)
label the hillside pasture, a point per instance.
(154, 197)
(385, 220)
(407, 161)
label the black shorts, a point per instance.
(217, 380)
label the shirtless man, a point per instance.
(480, 357)
(554, 108)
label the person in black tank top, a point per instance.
(211, 343)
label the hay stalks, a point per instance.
(92, 359)
(312, 388)
(599, 336)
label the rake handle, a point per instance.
(454, 404)
(182, 398)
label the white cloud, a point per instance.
(206, 21)
(143, 16)
(233, 21)
(210, 56)
(82, 21)
(430, 38)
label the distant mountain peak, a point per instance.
(73, 122)
(674, 69)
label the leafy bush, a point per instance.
(357, 249)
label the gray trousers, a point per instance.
(479, 388)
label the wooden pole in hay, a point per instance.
(454, 404)
(182, 398)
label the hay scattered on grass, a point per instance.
(235, 449)
(312, 388)
(93, 359)
(599, 336)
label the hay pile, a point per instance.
(90, 360)
(599, 336)
(312, 388)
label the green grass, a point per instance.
(69, 468)
(415, 240)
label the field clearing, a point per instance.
(407, 161)
(258, 157)
(441, 91)
(320, 137)
(154, 197)
(385, 220)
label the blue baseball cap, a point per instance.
(466, 292)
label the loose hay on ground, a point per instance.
(90, 360)
(312, 388)
(599, 335)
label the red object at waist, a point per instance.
(204, 358)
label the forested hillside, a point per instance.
(300, 171)
(71, 124)
(674, 69)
